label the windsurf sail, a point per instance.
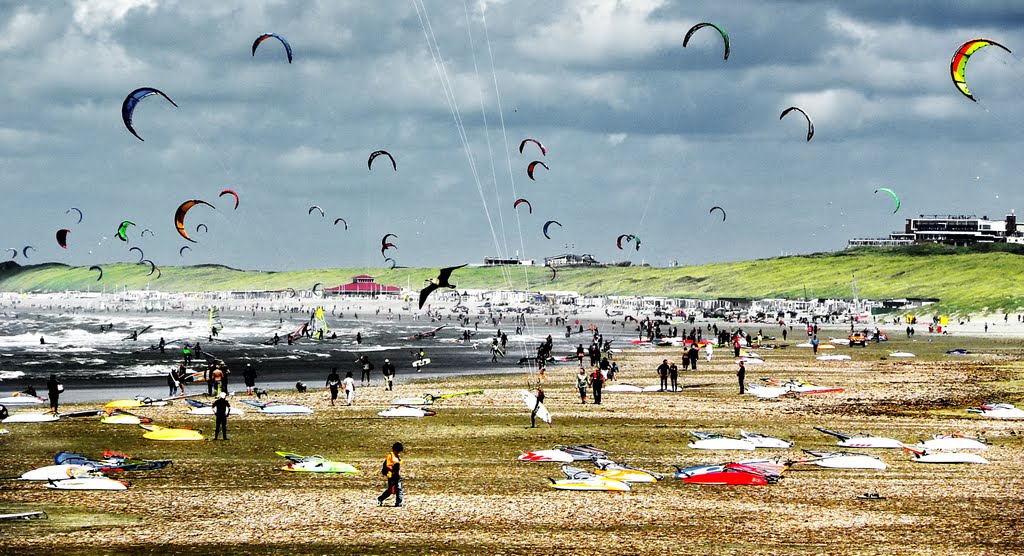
(215, 323)
(318, 324)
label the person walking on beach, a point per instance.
(673, 375)
(536, 407)
(581, 384)
(180, 375)
(172, 381)
(694, 354)
(709, 349)
(221, 408)
(391, 470)
(663, 375)
(186, 353)
(349, 385)
(579, 354)
(389, 374)
(596, 383)
(249, 376)
(366, 366)
(218, 378)
(162, 344)
(742, 375)
(333, 383)
(53, 390)
(814, 344)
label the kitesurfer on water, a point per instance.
(333, 383)
(221, 407)
(391, 470)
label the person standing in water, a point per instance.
(392, 472)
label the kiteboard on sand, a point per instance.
(531, 402)
(25, 516)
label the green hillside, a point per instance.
(964, 281)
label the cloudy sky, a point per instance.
(643, 136)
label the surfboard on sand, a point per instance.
(531, 401)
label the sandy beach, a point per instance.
(467, 493)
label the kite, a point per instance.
(100, 270)
(699, 26)
(133, 98)
(549, 223)
(385, 247)
(554, 273)
(520, 201)
(316, 207)
(384, 240)
(143, 234)
(142, 256)
(529, 169)
(79, 211)
(719, 208)
(342, 220)
(122, 230)
(265, 36)
(62, 238)
(440, 282)
(24, 252)
(810, 124)
(894, 197)
(230, 192)
(375, 154)
(315, 286)
(393, 262)
(958, 65)
(203, 226)
(181, 252)
(179, 216)
(14, 252)
(543, 151)
(618, 241)
(152, 266)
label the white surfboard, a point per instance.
(531, 401)
(421, 362)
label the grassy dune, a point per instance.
(964, 280)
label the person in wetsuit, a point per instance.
(221, 407)
(333, 383)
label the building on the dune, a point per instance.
(948, 229)
(362, 285)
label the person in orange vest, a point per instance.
(391, 470)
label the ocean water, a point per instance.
(96, 365)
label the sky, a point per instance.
(643, 136)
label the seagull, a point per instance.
(440, 282)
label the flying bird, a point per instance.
(440, 282)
